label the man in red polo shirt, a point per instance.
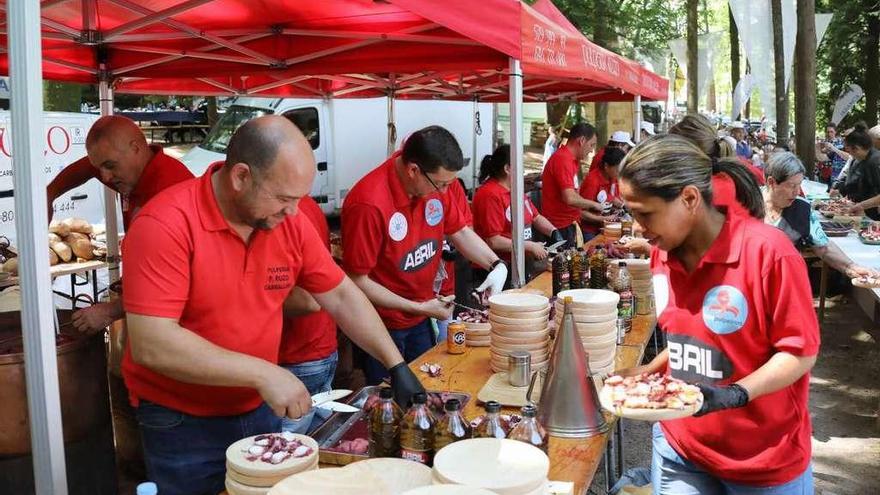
(393, 224)
(600, 186)
(308, 342)
(119, 157)
(560, 201)
(209, 264)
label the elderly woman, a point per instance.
(791, 213)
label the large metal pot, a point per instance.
(82, 376)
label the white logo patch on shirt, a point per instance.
(433, 212)
(602, 196)
(398, 227)
(725, 309)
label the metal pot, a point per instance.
(82, 376)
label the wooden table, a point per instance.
(573, 460)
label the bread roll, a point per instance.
(59, 228)
(11, 266)
(53, 238)
(62, 250)
(53, 258)
(77, 225)
(81, 245)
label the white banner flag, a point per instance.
(846, 102)
(707, 53)
(822, 22)
(741, 95)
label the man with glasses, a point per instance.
(209, 265)
(393, 224)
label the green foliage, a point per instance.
(62, 97)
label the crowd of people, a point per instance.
(233, 300)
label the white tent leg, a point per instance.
(637, 119)
(392, 126)
(29, 183)
(105, 97)
(517, 186)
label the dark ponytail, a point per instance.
(663, 166)
(492, 166)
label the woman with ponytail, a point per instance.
(491, 209)
(734, 301)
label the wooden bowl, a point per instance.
(505, 320)
(541, 313)
(504, 466)
(521, 337)
(519, 328)
(516, 302)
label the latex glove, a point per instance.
(495, 281)
(405, 383)
(556, 236)
(724, 397)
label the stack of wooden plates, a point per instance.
(380, 476)
(519, 322)
(244, 477)
(502, 466)
(477, 334)
(595, 318)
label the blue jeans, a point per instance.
(186, 455)
(442, 329)
(412, 342)
(317, 376)
(673, 475)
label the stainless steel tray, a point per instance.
(348, 426)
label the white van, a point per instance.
(349, 136)
(65, 142)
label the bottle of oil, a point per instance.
(626, 224)
(417, 432)
(385, 426)
(492, 426)
(529, 430)
(598, 269)
(452, 427)
(579, 269)
(561, 273)
(623, 287)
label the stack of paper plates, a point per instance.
(381, 476)
(502, 466)
(245, 477)
(595, 318)
(519, 322)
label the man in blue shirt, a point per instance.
(737, 131)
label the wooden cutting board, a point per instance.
(499, 389)
(399, 475)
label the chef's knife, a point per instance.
(328, 396)
(338, 407)
(556, 245)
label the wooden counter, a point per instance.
(570, 459)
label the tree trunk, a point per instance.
(805, 84)
(693, 94)
(711, 104)
(734, 52)
(782, 133)
(747, 111)
(212, 110)
(872, 62)
(602, 35)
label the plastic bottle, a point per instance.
(492, 426)
(626, 224)
(561, 273)
(623, 287)
(529, 430)
(452, 427)
(147, 488)
(417, 431)
(579, 269)
(598, 269)
(385, 418)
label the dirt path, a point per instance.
(844, 398)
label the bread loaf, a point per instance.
(59, 228)
(11, 266)
(77, 225)
(53, 238)
(81, 245)
(53, 258)
(62, 250)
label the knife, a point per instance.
(556, 245)
(338, 407)
(329, 396)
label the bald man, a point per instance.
(119, 157)
(209, 265)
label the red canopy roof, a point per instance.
(455, 49)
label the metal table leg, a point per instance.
(609, 458)
(618, 435)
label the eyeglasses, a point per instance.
(440, 187)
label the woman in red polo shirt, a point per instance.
(491, 210)
(734, 300)
(601, 186)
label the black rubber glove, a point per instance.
(404, 383)
(724, 397)
(556, 236)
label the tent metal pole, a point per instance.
(637, 119)
(392, 126)
(517, 186)
(475, 160)
(29, 182)
(105, 97)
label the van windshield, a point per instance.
(235, 116)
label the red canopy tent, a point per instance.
(457, 49)
(342, 48)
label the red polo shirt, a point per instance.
(183, 261)
(748, 299)
(492, 213)
(457, 196)
(312, 336)
(395, 239)
(560, 174)
(160, 173)
(594, 183)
